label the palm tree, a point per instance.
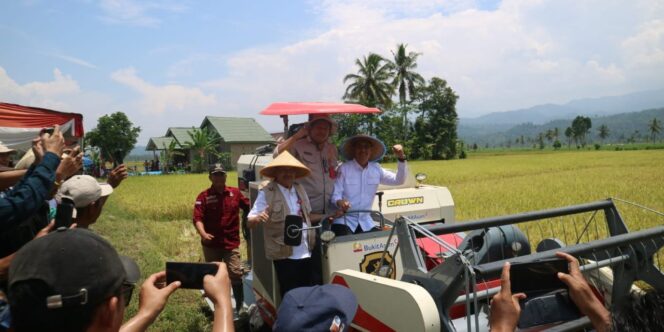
(405, 78)
(168, 153)
(603, 132)
(654, 127)
(370, 86)
(203, 141)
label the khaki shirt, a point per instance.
(322, 163)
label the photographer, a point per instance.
(505, 309)
(29, 193)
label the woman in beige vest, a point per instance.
(280, 197)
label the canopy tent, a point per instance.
(284, 109)
(316, 108)
(20, 124)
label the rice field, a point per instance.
(148, 218)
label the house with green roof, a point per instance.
(159, 143)
(238, 135)
(180, 136)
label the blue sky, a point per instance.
(170, 63)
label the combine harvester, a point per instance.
(426, 272)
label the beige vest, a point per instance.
(273, 230)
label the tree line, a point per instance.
(578, 134)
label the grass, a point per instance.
(148, 218)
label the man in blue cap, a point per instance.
(318, 308)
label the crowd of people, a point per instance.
(65, 277)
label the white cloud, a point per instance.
(520, 54)
(44, 94)
(75, 60)
(136, 13)
(646, 46)
(62, 93)
(160, 99)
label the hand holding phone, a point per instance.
(189, 274)
(218, 287)
(538, 277)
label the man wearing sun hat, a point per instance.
(216, 219)
(358, 179)
(310, 145)
(281, 197)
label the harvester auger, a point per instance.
(460, 278)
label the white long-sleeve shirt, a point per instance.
(301, 251)
(358, 185)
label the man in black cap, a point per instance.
(217, 221)
(73, 280)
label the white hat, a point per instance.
(5, 149)
(83, 190)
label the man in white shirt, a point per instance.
(358, 179)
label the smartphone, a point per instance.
(64, 212)
(538, 277)
(47, 131)
(189, 274)
(292, 230)
(118, 156)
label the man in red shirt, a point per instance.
(216, 218)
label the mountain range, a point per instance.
(623, 115)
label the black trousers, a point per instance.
(294, 273)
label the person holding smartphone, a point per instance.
(278, 199)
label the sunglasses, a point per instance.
(127, 290)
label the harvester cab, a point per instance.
(425, 272)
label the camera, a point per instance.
(46, 131)
(294, 128)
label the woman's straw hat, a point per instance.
(377, 147)
(285, 159)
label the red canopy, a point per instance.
(316, 108)
(20, 124)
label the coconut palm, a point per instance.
(654, 127)
(405, 78)
(202, 142)
(371, 85)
